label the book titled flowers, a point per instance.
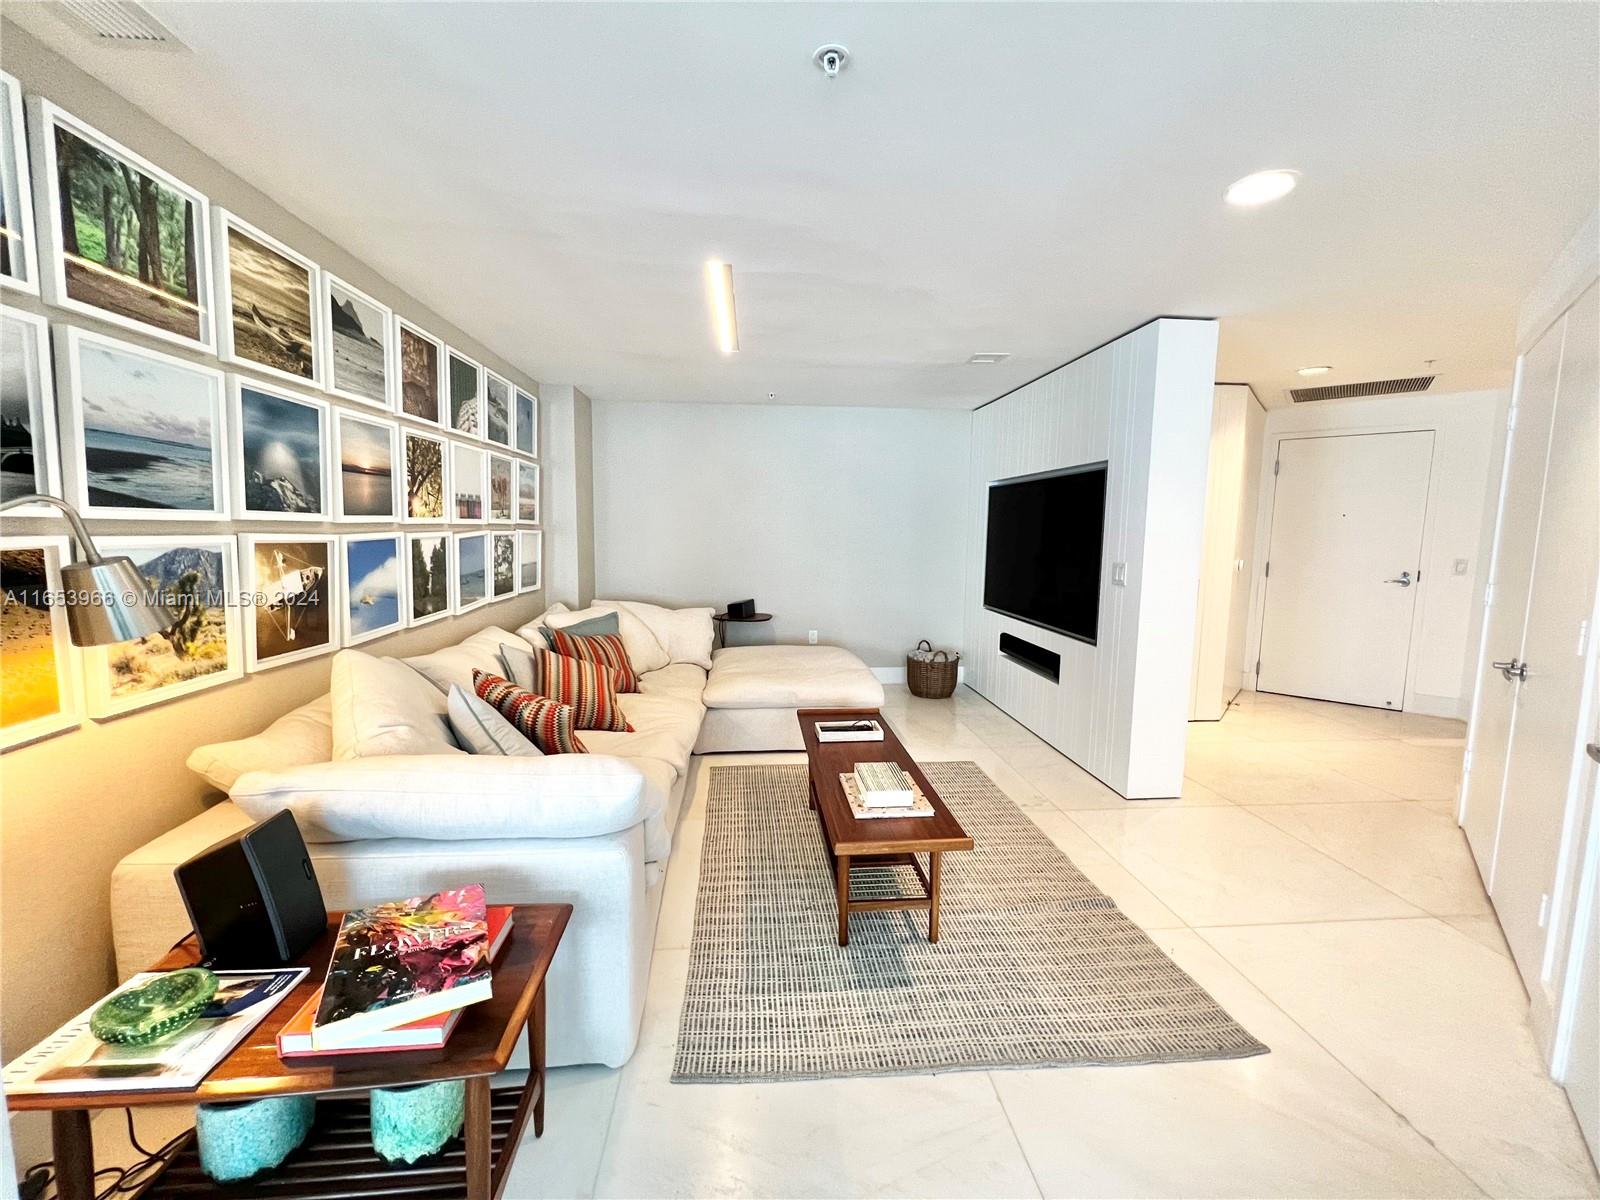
(399, 962)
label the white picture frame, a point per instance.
(469, 464)
(353, 589)
(44, 119)
(491, 383)
(525, 422)
(272, 590)
(16, 194)
(455, 414)
(491, 509)
(100, 669)
(502, 541)
(331, 286)
(526, 515)
(68, 704)
(470, 592)
(342, 441)
(530, 548)
(85, 359)
(414, 595)
(441, 398)
(30, 359)
(240, 467)
(447, 498)
(268, 329)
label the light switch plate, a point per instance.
(1119, 574)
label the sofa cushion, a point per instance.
(676, 717)
(303, 735)
(679, 679)
(382, 706)
(685, 634)
(645, 650)
(480, 728)
(589, 688)
(540, 719)
(455, 664)
(605, 650)
(790, 677)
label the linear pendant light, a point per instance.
(719, 283)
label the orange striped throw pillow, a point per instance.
(588, 688)
(603, 648)
(541, 720)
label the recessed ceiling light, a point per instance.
(724, 320)
(1313, 370)
(1261, 188)
(990, 356)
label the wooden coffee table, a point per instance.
(880, 841)
(337, 1159)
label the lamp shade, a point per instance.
(110, 601)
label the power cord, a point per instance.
(124, 1180)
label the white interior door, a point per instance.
(1344, 566)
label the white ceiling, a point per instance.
(1026, 178)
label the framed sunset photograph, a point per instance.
(28, 462)
(19, 256)
(365, 450)
(374, 570)
(359, 359)
(426, 478)
(502, 498)
(280, 466)
(421, 372)
(528, 493)
(266, 302)
(468, 475)
(292, 586)
(502, 565)
(465, 380)
(530, 560)
(525, 423)
(429, 575)
(41, 695)
(496, 409)
(472, 570)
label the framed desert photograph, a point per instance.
(373, 585)
(426, 472)
(428, 577)
(421, 370)
(472, 570)
(266, 303)
(291, 585)
(19, 259)
(365, 454)
(502, 498)
(496, 409)
(465, 379)
(528, 493)
(144, 433)
(530, 559)
(502, 565)
(360, 364)
(280, 465)
(199, 577)
(467, 479)
(119, 238)
(41, 667)
(28, 463)
(525, 423)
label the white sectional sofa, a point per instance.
(593, 830)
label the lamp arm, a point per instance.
(85, 543)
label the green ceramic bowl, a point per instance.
(161, 1007)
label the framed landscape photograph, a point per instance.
(465, 379)
(467, 475)
(28, 463)
(502, 565)
(266, 303)
(365, 450)
(472, 570)
(119, 238)
(374, 586)
(360, 364)
(426, 484)
(502, 501)
(496, 409)
(198, 576)
(421, 370)
(41, 692)
(145, 433)
(525, 423)
(528, 493)
(19, 260)
(280, 466)
(530, 559)
(428, 577)
(292, 588)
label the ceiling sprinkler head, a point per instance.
(831, 59)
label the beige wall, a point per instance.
(72, 805)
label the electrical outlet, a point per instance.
(1459, 567)
(1119, 574)
(812, 637)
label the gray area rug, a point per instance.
(1035, 966)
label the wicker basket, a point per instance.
(932, 677)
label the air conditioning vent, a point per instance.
(120, 21)
(1354, 391)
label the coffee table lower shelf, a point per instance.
(337, 1161)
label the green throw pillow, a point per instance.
(593, 627)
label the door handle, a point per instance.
(1512, 669)
(1403, 581)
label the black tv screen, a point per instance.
(1045, 536)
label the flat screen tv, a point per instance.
(1042, 558)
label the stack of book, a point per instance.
(884, 785)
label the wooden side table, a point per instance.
(337, 1155)
(722, 619)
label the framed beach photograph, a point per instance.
(472, 570)
(119, 238)
(365, 454)
(266, 303)
(146, 434)
(530, 560)
(528, 493)
(19, 257)
(467, 479)
(199, 577)
(502, 565)
(429, 574)
(502, 483)
(496, 409)
(465, 379)
(280, 464)
(360, 364)
(41, 694)
(374, 585)
(421, 371)
(525, 423)
(291, 585)
(426, 477)
(28, 462)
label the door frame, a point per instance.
(1266, 506)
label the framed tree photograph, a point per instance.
(292, 585)
(472, 570)
(146, 434)
(198, 577)
(530, 560)
(426, 477)
(374, 585)
(429, 577)
(496, 409)
(119, 239)
(525, 423)
(465, 379)
(360, 339)
(267, 303)
(467, 480)
(366, 452)
(41, 695)
(502, 498)
(528, 493)
(421, 372)
(502, 565)
(280, 465)
(28, 462)
(19, 256)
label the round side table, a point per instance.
(723, 618)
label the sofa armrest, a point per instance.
(453, 797)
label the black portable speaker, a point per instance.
(741, 610)
(253, 899)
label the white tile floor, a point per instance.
(1311, 877)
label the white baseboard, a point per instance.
(1453, 707)
(898, 674)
